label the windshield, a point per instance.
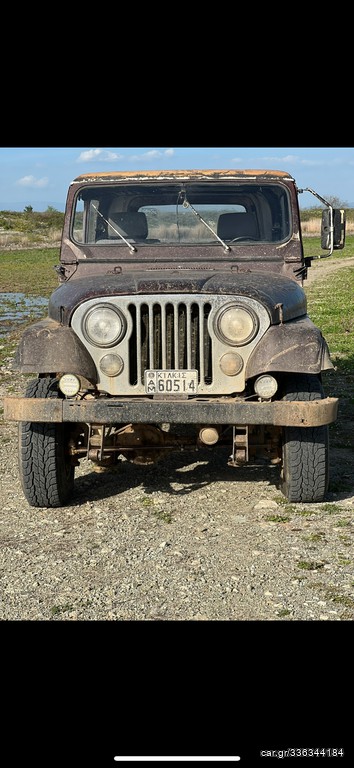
(191, 214)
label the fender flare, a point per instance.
(48, 347)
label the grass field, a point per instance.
(312, 247)
(31, 271)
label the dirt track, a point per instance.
(320, 268)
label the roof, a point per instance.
(195, 175)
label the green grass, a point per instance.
(29, 271)
(56, 609)
(309, 565)
(331, 594)
(315, 537)
(330, 308)
(312, 247)
(329, 507)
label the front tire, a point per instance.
(46, 471)
(305, 450)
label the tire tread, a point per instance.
(39, 444)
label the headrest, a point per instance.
(232, 225)
(130, 225)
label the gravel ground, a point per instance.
(186, 539)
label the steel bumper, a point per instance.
(195, 411)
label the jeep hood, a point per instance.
(275, 292)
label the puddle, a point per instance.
(16, 308)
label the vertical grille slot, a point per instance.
(167, 334)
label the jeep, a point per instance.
(179, 322)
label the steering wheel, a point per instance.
(243, 237)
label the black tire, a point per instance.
(46, 472)
(305, 451)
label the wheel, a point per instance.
(305, 450)
(46, 472)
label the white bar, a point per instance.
(176, 759)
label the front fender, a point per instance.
(48, 347)
(294, 347)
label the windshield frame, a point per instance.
(251, 196)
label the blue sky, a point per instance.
(40, 176)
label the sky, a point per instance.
(40, 176)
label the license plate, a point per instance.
(171, 382)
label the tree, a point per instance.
(336, 202)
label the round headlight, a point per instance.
(236, 325)
(104, 325)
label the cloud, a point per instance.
(151, 154)
(285, 159)
(268, 161)
(31, 181)
(304, 161)
(157, 153)
(100, 155)
(104, 155)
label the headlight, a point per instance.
(104, 325)
(236, 325)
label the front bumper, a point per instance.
(226, 410)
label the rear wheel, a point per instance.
(46, 471)
(305, 451)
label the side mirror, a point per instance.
(333, 229)
(339, 228)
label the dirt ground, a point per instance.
(321, 268)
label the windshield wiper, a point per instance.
(187, 204)
(130, 246)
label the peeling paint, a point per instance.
(181, 175)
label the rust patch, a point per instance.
(114, 411)
(187, 174)
(33, 409)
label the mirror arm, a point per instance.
(331, 226)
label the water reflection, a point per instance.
(16, 308)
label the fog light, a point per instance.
(111, 365)
(266, 386)
(69, 384)
(231, 364)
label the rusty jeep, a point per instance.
(179, 322)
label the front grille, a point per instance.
(170, 335)
(170, 332)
